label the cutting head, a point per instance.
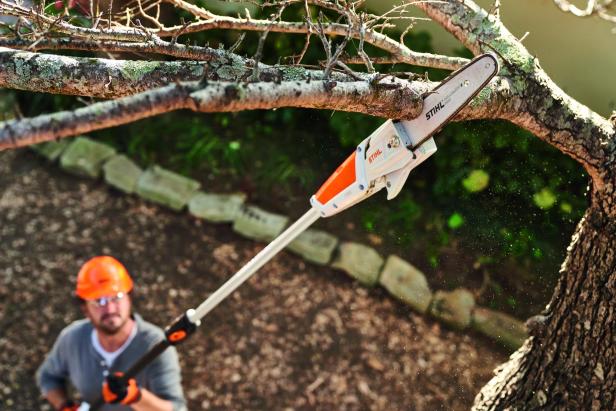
(388, 155)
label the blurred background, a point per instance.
(492, 211)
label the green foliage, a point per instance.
(476, 181)
(348, 127)
(523, 173)
(455, 221)
(566, 207)
(544, 199)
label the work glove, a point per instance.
(116, 391)
(69, 406)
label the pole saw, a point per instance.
(383, 160)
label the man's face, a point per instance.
(109, 314)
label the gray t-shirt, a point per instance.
(74, 359)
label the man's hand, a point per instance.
(117, 390)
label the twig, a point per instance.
(259, 53)
(348, 70)
(308, 20)
(150, 18)
(360, 51)
(237, 43)
(495, 10)
(174, 39)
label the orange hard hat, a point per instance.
(102, 276)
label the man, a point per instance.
(91, 351)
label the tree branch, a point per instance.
(60, 26)
(106, 78)
(389, 98)
(154, 47)
(96, 77)
(382, 41)
(593, 8)
(404, 101)
(536, 103)
(126, 34)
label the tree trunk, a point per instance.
(570, 360)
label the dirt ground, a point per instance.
(295, 337)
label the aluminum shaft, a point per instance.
(255, 263)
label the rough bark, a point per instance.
(107, 78)
(568, 363)
(399, 99)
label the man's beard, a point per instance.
(110, 329)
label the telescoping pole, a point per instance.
(187, 323)
(384, 159)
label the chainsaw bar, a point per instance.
(447, 99)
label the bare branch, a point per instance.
(593, 8)
(259, 53)
(192, 9)
(429, 60)
(332, 58)
(153, 47)
(19, 133)
(495, 10)
(362, 54)
(223, 22)
(361, 96)
(298, 59)
(148, 17)
(566, 6)
(237, 43)
(60, 26)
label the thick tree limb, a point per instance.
(389, 98)
(24, 132)
(106, 78)
(562, 366)
(397, 99)
(94, 77)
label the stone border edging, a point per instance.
(88, 158)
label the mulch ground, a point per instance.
(295, 337)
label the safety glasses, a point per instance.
(103, 301)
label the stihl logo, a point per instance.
(374, 155)
(434, 110)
